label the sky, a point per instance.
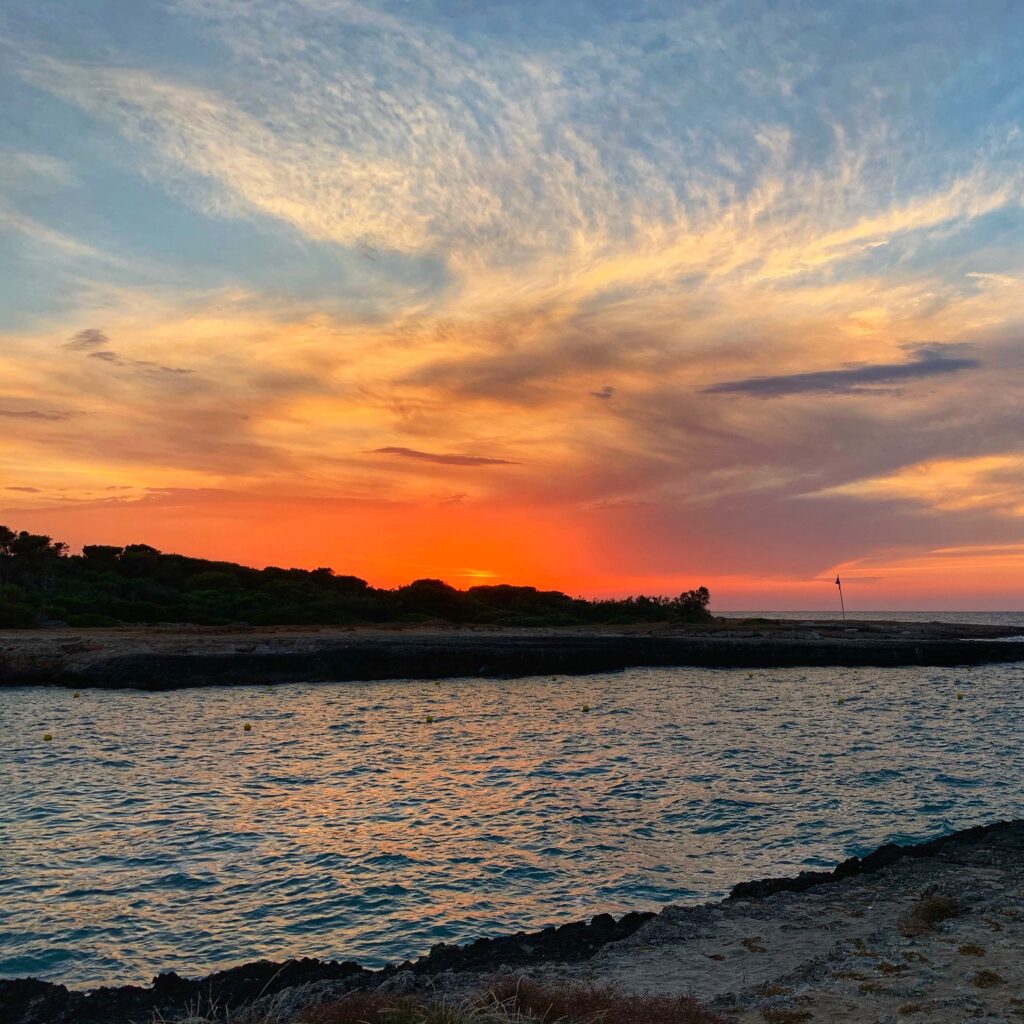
(609, 297)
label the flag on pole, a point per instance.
(838, 584)
(842, 603)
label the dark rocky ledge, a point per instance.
(31, 1001)
(171, 657)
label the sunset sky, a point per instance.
(604, 296)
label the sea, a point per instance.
(1014, 621)
(369, 821)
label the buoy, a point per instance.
(430, 718)
(959, 696)
(586, 707)
(47, 737)
(842, 700)
(76, 695)
(247, 727)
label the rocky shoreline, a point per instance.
(842, 946)
(170, 657)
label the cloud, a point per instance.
(114, 359)
(84, 340)
(34, 414)
(927, 361)
(993, 482)
(26, 490)
(445, 460)
(606, 392)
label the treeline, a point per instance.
(42, 584)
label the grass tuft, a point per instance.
(987, 979)
(926, 913)
(785, 1015)
(971, 949)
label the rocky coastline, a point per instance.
(843, 945)
(170, 657)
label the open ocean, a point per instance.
(154, 833)
(1012, 620)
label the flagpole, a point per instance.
(842, 603)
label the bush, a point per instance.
(16, 616)
(87, 620)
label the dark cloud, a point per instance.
(926, 361)
(114, 359)
(445, 460)
(90, 337)
(26, 490)
(606, 392)
(33, 414)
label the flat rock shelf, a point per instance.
(168, 657)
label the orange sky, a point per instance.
(609, 304)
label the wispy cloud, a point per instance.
(45, 415)
(926, 361)
(86, 339)
(113, 359)
(442, 459)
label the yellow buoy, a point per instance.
(247, 727)
(959, 696)
(76, 695)
(586, 707)
(47, 737)
(430, 718)
(842, 700)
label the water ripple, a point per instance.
(153, 832)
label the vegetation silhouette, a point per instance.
(42, 584)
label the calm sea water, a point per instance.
(1012, 620)
(153, 832)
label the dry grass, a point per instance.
(987, 979)
(582, 1004)
(926, 913)
(971, 949)
(785, 1015)
(872, 987)
(514, 1001)
(377, 1008)
(884, 967)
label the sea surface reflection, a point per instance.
(153, 832)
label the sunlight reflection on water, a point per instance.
(153, 832)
